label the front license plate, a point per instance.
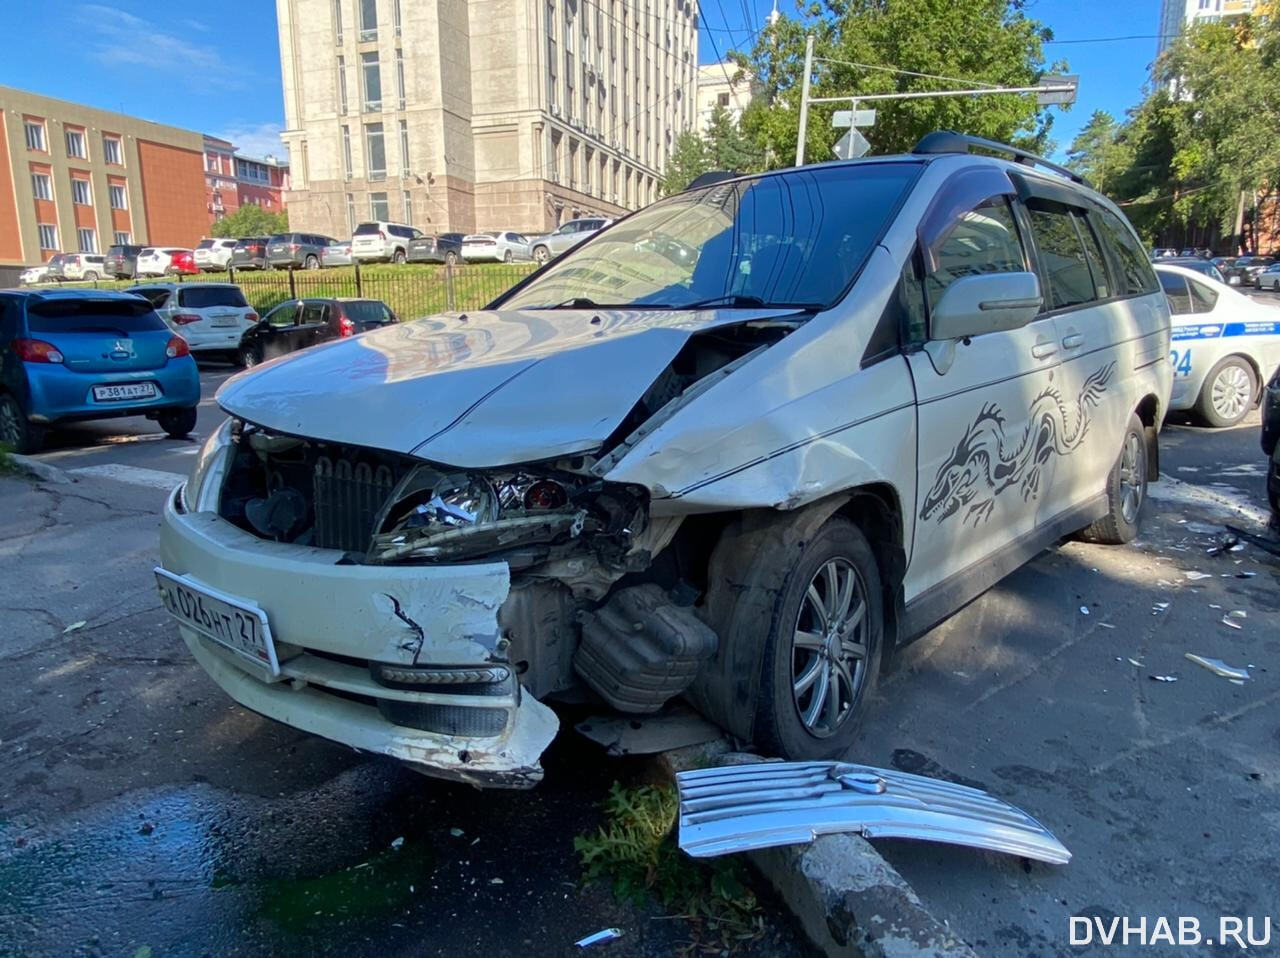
(124, 391)
(235, 624)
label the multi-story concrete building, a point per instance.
(454, 115)
(233, 180)
(77, 179)
(1177, 15)
(717, 88)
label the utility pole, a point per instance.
(804, 98)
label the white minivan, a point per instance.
(742, 476)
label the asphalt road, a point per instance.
(139, 807)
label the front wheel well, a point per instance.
(1152, 416)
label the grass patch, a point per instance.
(7, 466)
(636, 850)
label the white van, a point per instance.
(743, 476)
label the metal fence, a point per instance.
(410, 291)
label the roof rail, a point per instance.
(949, 141)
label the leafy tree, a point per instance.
(251, 220)
(689, 160)
(727, 148)
(1097, 152)
(976, 42)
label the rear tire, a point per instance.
(398, 257)
(91, 276)
(814, 694)
(451, 258)
(311, 262)
(16, 430)
(178, 423)
(540, 255)
(1228, 393)
(1126, 490)
(507, 257)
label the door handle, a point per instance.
(1072, 341)
(1044, 350)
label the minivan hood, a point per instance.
(476, 389)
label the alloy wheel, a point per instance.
(1133, 474)
(10, 427)
(1232, 392)
(829, 648)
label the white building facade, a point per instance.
(717, 88)
(1177, 15)
(451, 115)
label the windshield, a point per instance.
(795, 239)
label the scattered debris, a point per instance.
(1224, 543)
(1196, 576)
(397, 843)
(735, 809)
(1159, 607)
(496, 881)
(456, 832)
(1135, 662)
(1230, 622)
(1105, 625)
(1218, 667)
(1237, 614)
(1245, 575)
(1266, 545)
(1084, 610)
(1164, 678)
(74, 627)
(607, 934)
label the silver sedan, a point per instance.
(501, 246)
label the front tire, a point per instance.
(311, 262)
(822, 653)
(178, 423)
(16, 430)
(1228, 393)
(540, 255)
(1126, 490)
(398, 257)
(507, 257)
(451, 258)
(249, 355)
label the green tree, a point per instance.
(688, 161)
(727, 148)
(1097, 152)
(972, 43)
(251, 220)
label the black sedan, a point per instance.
(1271, 444)
(445, 248)
(299, 323)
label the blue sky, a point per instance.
(219, 73)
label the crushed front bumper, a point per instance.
(332, 622)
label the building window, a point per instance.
(378, 208)
(351, 212)
(111, 152)
(119, 198)
(404, 148)
(553, 162)
(372, 82)
(342, 84)
(551, 72)
(408, 208)
(41, 187)
(48, 236)
(395, 15)
(88, 240)
(346, 151)
(80, 193)
(722, 99)
(35, 140)
(375, 152)
(400, 77)
(123, 238)
(368, 20)
(75, 145)
(337, 20)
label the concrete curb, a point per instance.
(849, 901)
(40, 470)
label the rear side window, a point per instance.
(1093, 253)
(201, 297)
(983, 240)
(1063, 264)
(367, 229)
(365, 312)
(130, 315)
(1203, 298)
(206, 244)
(1136, 275)
(1175, 289)
(314, 313)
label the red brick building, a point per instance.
(233, 180)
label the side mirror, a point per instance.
(985, 303)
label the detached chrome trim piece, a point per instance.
(747, 807)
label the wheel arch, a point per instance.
(1148, 410)
(746, 571)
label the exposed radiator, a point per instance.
(348, 496)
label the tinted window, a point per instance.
(131, 315)
(1063, 265)
(1097, 261)
(314, 313)
(367, 312)
(1136, 274)
(1203, 297)
(983, 240)
(1175, 289)
(367, 229)
(205, 244)
(283, 315)
(201, 297)
(155, 295)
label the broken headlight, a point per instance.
(200, 492)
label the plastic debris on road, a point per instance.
(397, 843)
(1218, 667)
(74, 627)
(1164, 678)
(606, 934)
(1196, 576)
(1084, 610)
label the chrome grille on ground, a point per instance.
(347, 497)
(748, 807)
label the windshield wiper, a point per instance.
(740, 301)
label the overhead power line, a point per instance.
(1134, 36)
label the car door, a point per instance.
(313, 324)
(278, 332)
(981, 479)
(564, 237)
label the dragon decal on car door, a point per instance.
(983, 464)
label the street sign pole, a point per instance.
(804, 99)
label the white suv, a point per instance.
(382, 242)
(738, 448)
(214, 254)
(211, 317)
(82, 266)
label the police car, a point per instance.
(1224, 346)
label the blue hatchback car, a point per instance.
(72, 355)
